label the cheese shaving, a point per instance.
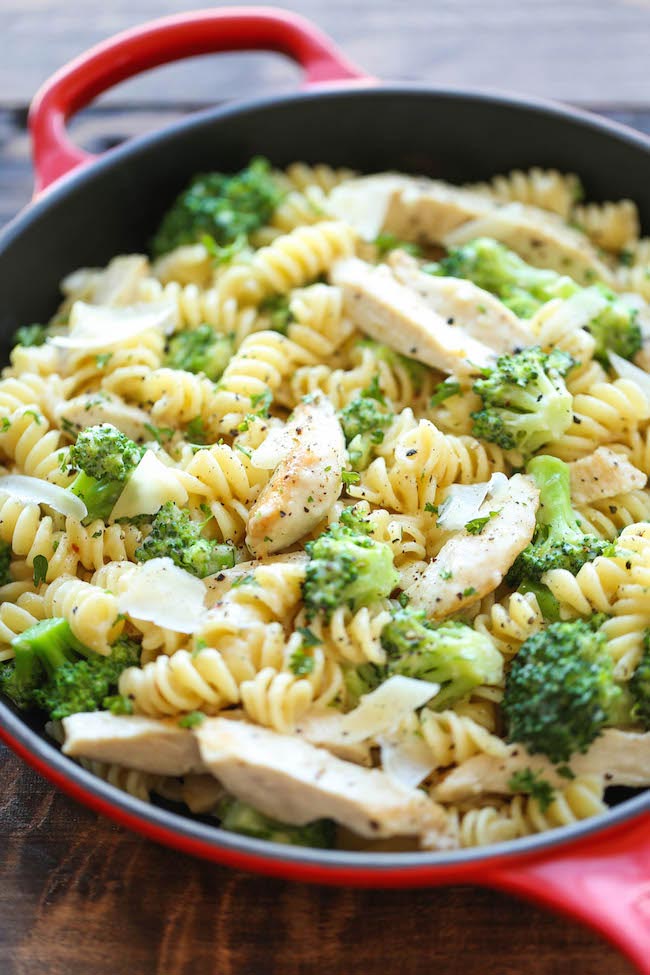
(161, 593)
(101, 327)
(463, 501)
(382, 711)
(35, 491)
(150, 486)
(364, 202)
(406, 758)
(627, 370)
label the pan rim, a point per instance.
(212, 839)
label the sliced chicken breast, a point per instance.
(393, 314)
(290, 780)
(152, 745)
(464, 305)
(602, 475)
(468, 566)
(622, 757)
(540, 238)
(304, 485)
(90, 409)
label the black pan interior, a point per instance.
(115, 206)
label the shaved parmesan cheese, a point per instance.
(406, 758)
(274, 449)
(102, 327)
(627, 370)
(161, 593)
(364, 202)
(381, 711)
(463, 501)
(35, 491)
(150, 486)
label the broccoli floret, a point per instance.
(224, 207)
(30, 335)
(558, 542)
(363, 422)
(451, 654)
(174, 535)
(525, 401)
(615, 329)
(238, 817)
(639, 686)
(5, 563)
(346, 567)
(495, 268)
(200, 350)
(105, 459)
(548, 604)
(53, 671)
(385, 243)
(560, 691)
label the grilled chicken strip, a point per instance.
(304, 485)
(622, 757)
(463, 304)
(602, 475)
(393, 314)
(156, 745)
(542, 239)
(290, 780)
(468, 566)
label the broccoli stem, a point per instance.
(552, 478)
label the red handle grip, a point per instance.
(603, 880)
(159, 42)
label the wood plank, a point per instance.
(580, 51)
(78, 894)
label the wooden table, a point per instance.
(78, 894)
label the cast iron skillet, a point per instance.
(599, 870)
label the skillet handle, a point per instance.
(159, 42)
(603, 880)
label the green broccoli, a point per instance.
(639, 686)
(615, 329)
(385, 243)
(224, 207)
(31, 335)
(174, 535)
(238, 817)
(548, 604)
(451, 654)
(200, 350)
(346, 567)
(558, 542)
(53, 671)
(560, 692)
(525, 401)
(105, 459)
(363, 422)
(5, 563)
(493, 267)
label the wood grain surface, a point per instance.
(80, 895)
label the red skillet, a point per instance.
(598, 871)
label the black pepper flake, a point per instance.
(283, 514)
